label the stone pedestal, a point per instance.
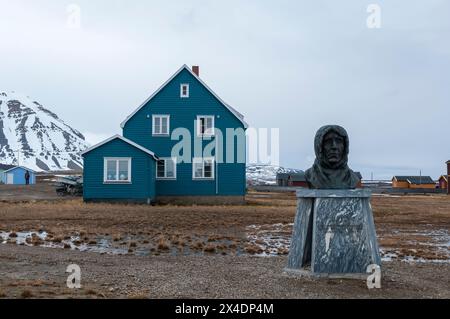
(334, 234)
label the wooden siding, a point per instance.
(397, 184)
(422, 186)
(183, 113)
(142, 186)
(19, 176)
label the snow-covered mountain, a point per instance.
(266, 174)
(33, 136)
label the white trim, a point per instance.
(200, 160)
(239, 116)
(182, 85)
(161, 116)
(174, 160)
(117, 160)
(123, 139)
(199, 126)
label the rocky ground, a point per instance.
(40, 272)
(137, 251)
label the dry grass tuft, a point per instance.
(162, 244)
(26, 294)
(210, 248)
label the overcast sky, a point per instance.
(293, 65)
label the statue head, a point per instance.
(332, 146)
(330, 169)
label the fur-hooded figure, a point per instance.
(326, 175)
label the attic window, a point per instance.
(184, 90)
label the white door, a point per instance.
(9, 179)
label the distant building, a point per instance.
(413, 182)
(282, 179)
(448, 176)
(16, 176)
(297, 180)
(294, 178)
(443, 182)
(3, 168)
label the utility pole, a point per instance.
(18, 157)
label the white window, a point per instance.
(205, 125)
(203, 168)
(117, 170)
(184, 90)
(166, 168)
(161, 125)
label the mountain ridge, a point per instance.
(32, 135)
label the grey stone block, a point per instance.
(333, 233)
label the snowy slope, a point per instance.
(35, 137)
(266, 174)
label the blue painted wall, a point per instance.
(143, 165)
(19, 176)
(183, 113)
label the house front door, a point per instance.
(10, 179)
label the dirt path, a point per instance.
(40, 272)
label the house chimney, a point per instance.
(196, 70)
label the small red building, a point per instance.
(297, 180)
(448, 175)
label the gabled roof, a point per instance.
(126, 141)
(418, 180)
(239, 116)
(297, 177)
(444, 177)
(23, 167)
(5, 167)
(292, 174)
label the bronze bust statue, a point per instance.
(330, 170)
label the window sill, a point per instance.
(166, 178)
(116, 182)
(203, 179)
(161, 135)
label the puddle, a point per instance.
(262, 241)
(275, 240)
(271, 240)
(136, 244)
(432, 243)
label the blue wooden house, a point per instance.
(183, 144)
(16, 176)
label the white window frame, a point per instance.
(199, 124)
(200, 160)
(160, 116)
(117, 159)
(174, 159)
(182, 85)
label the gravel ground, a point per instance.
(35, 272)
